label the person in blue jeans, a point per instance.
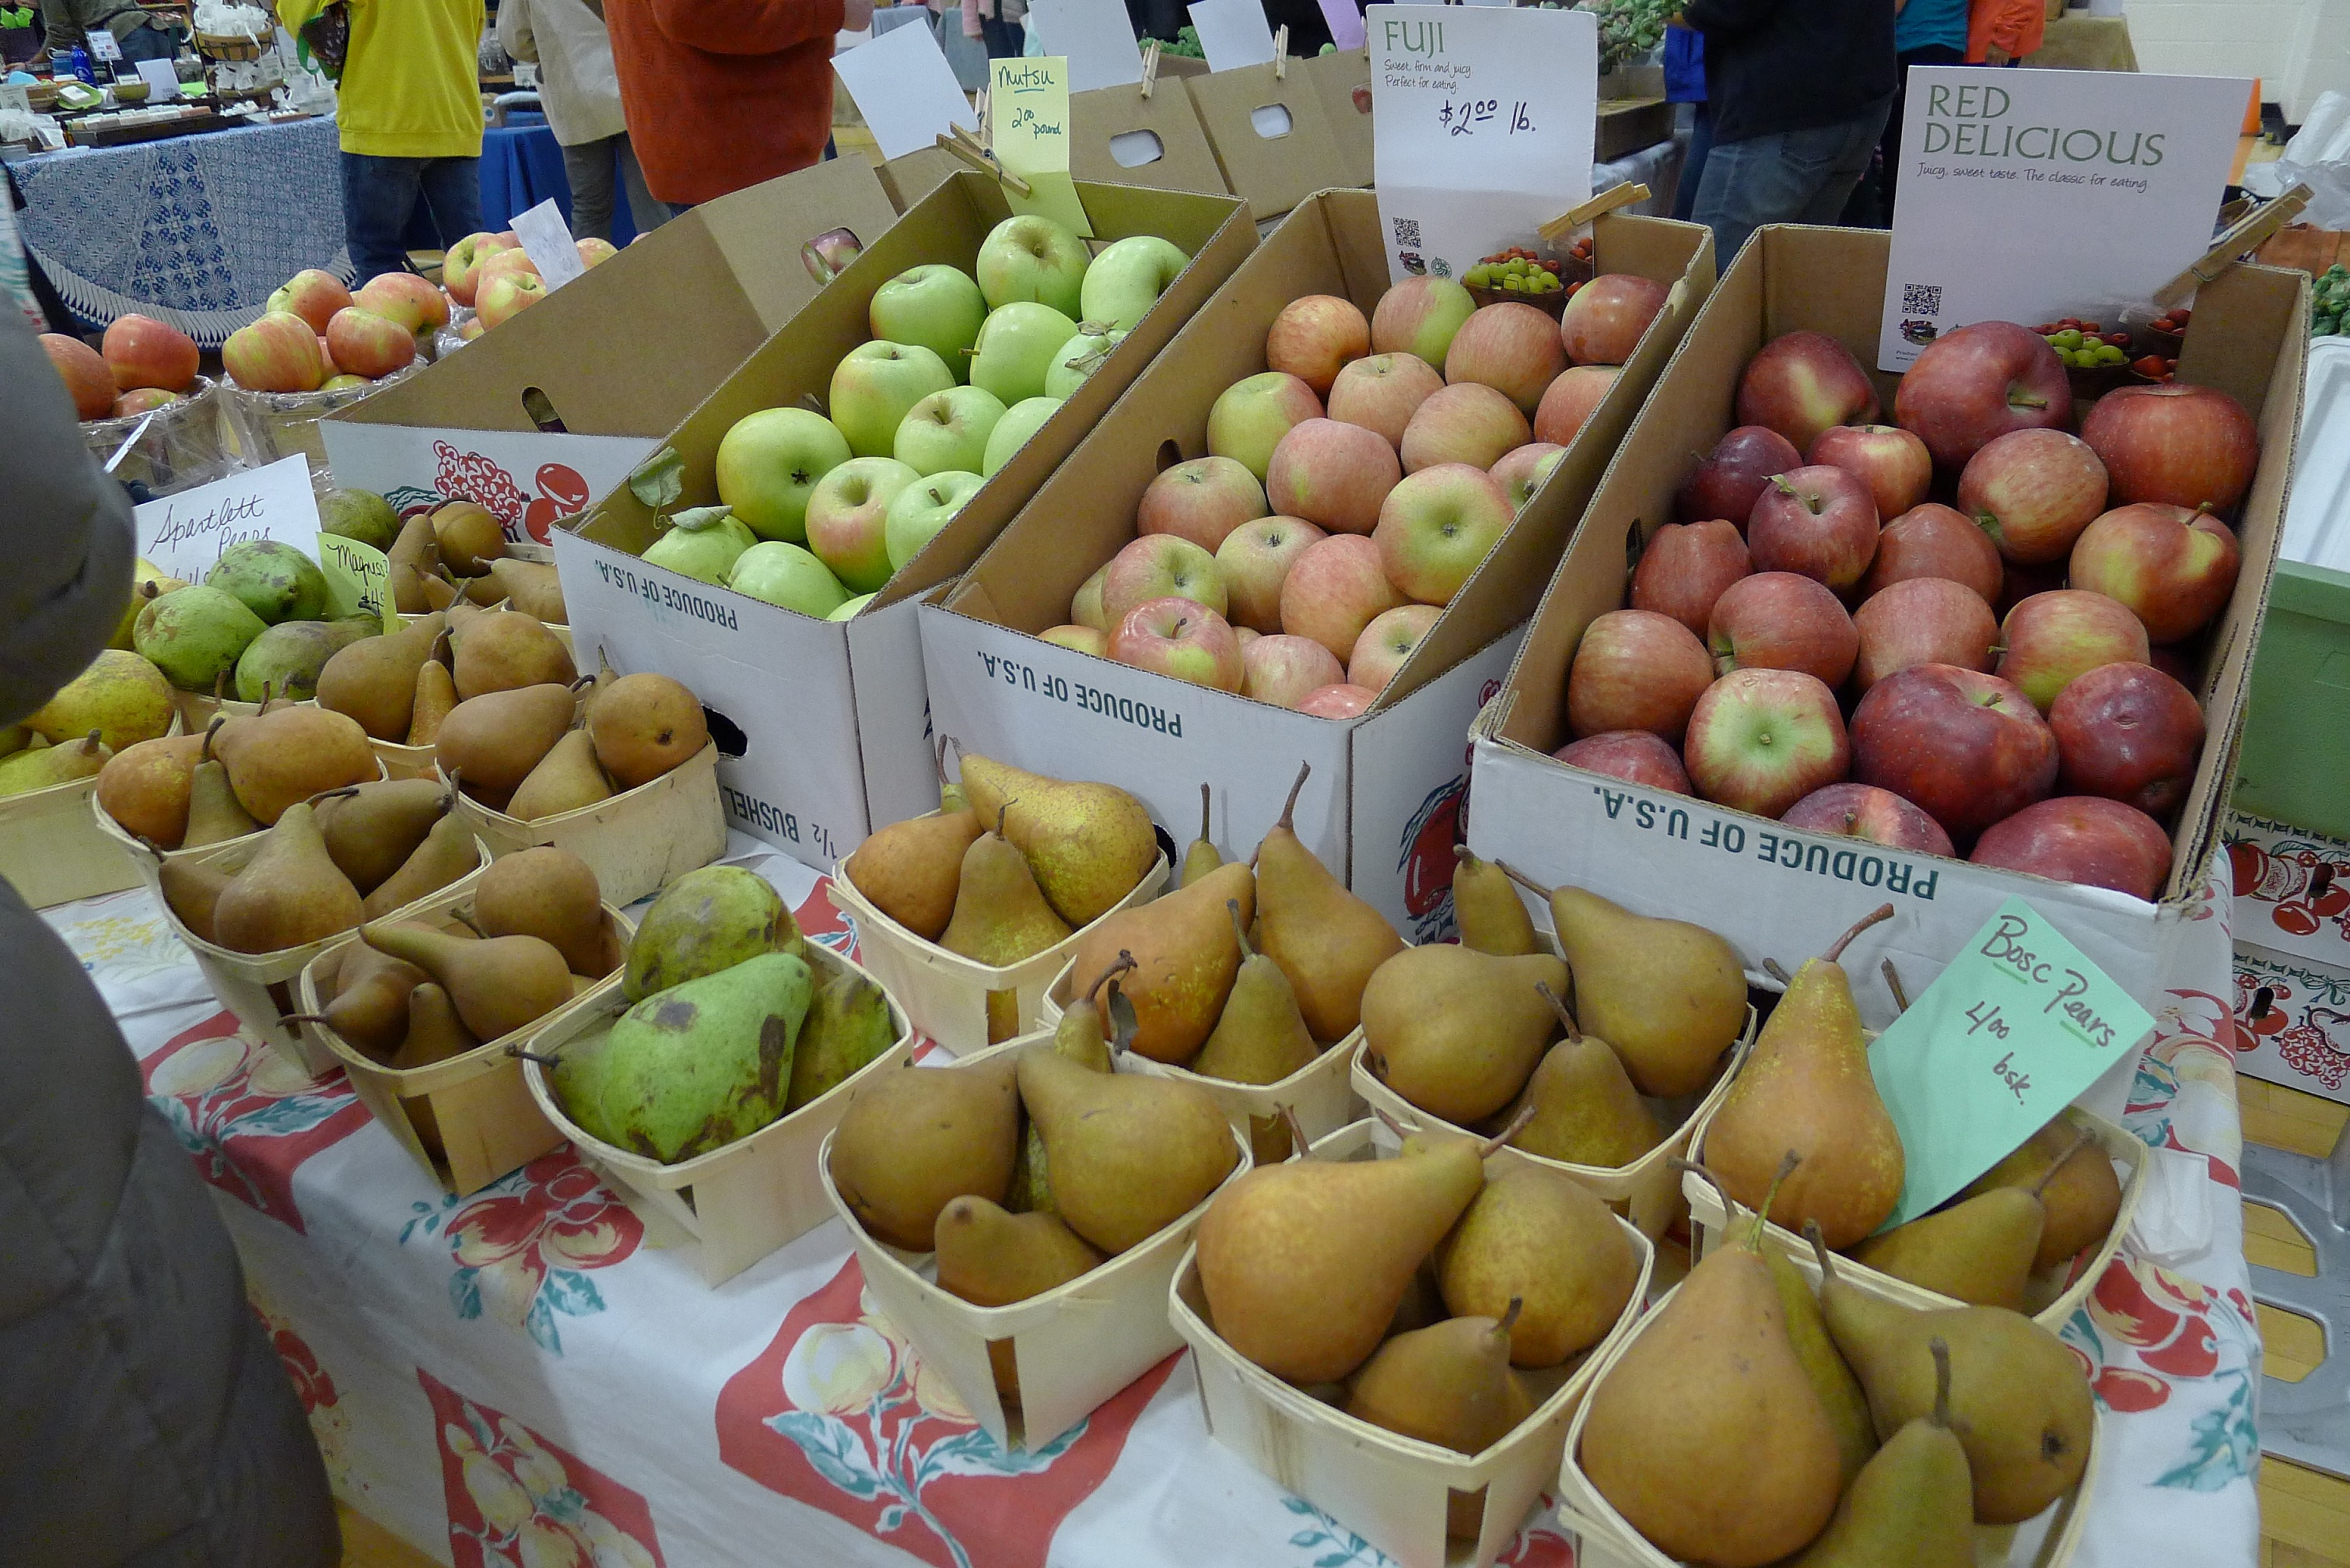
(1685, 83)
(1799, 91)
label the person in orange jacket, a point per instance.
(2012, 27)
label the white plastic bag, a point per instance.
(2318, 157)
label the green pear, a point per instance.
(702, 1064)
(705, 922)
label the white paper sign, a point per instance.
(1482, 126)
(186, 534)
(2030, 195)
(1233, 33)
(546, 241)
(162, 81)
(1094, 37)
(905, 89)
(14, 97)
(102, 45)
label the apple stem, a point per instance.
(2027, 400)
(1835, 952)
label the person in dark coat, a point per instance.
(145, 1421)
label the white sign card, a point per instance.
(1094, 37)
(904, 89)
(2028, 195)
(102, 45)
(162, 81)
(1483, 127)
(13, 95)
(546, 241)
(1233, 33)
(186, 534)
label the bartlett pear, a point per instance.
(703, 1063)
(1185, 956)
(1325, 940)
(1089, 844)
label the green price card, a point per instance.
(359, 579)
(1028, 119)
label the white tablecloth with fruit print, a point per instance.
(514, 1377)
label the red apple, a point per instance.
(1966, 747)
(1605, 319)
(461, 270)
(313, 294)
(1761, 740)
(1686, 567)
(1202, 501)
(1470, 423)
(1634, 756)
(1729, 480)
(1386, 643)
(1313, 337)
(1332, 474)
(1977, 384)
(368, 345)
(1249, 418)
(1892, 462)
(2131, 733)
(2018, 584)
(595, 252)
(1933, 541)
(1801, 384)
(278, 353)
(1866, 812)
(1437, 527)
(1420, 316)
(2175, 568)
(2053, 639)
(1510, 348)
(2175, 663)
(2082, 839)
(1382, 392)
(2180, 444)
(1254, 560)
(144, 352)
(1923, 621)
(88, 379)
(2032, 492)
(511, 261)
(1522, 470)
(1636, 670)
(1568, 402)
(1176, 636)
(1283, 670)
(404, 297)
(1339, 702)
(1817, 521)
(1334, 590)
(326, 356)
(1157, 567)
(1782, 620)
(505, 297)
(143, 400)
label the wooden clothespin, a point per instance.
(1150, 67)
(1281, 52)
(2242, 237)
(963, 147)
(1559, 229)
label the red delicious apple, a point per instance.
(1761, 740)
(1512, 348)
(1332, 474)
(1636, 670)
(1283, 670)
(1470, 423)
(367, 345)
(1979, 383)
(2032, 492)
(1782, 620)
(1339, 702)
(2051, 640)
(1634, 756)
(1729, 480)
(1382, 392)
(145, 352)
(1176, 636)
(1687, 566)
(1966, 747)
(1890, 461)
(1254, 560)
(2083, 838)
(1522, 470)
(1817, 521)
(1313, 337)
(1802, 383)
(2018, 584)
(88, 379)
(1864, 810)
(1605, 319)
(2131, 733)
(1933, 541)
(2174, 566)
(1923, 621)
(1335, 588)
(1386, 643)
(1202, 501)
(1568, 402)
(2178, 444)
(278, 353)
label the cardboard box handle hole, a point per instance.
(540, 409)
(1270, 121)
(1170, 454)
(1133, 149)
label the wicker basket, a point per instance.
(229, 46)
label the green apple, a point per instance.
(702, 543)
(936, 307)
(1016, 344)
(1029, 258)
(948, 430)
(847, 609)
(875, 385)
(786, 575)
(1079, 357)
(921, 509)
(1128, 278)
(770, 461)
(848, 518)
(1012, 431)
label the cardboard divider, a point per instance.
(1110, 124)
(1271, 135)
(1676, 856)
(638, 842)
(1343, 81)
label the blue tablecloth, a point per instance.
(522, 165)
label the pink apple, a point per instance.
(1249, 418)
(404, 297)
(2032, 492)
(326, 352)
(1437, 527)
(1470, 423)
(1512, 348)
(143, 400)
(511, 261)
(1202, 501)
(1782, 620)
(1380, 393)
(1078, 638)
(2178, 444)
(1335, 588)
(504, 299)
(2086, 839)
(1254, 561)
(595, 252)
(1636, 670)
(1864, 811)
(1086, 606)
(1924, 620)
(1420, 316)
(1634, 756)
(1977, 384)
(1283, 670)
(1890, 461)
(1249, 634)
(2129, 732)
(278, 353)
(1569, 402)
(313, 294)
(2053, 639)
(1159, 567)
(365, 344)
(1802, 382)
(1817, 521)
(1177, 637)
(1333, 474)
(1386, 643)
(1313, 337)
(1522, 470)
(1761, 740)
(1340, 701)
(1729, 480)
(848, 519)
(461, 270)
(2174, 566)
(1933, 541)
(1686, 567)
(1609, 316)
(1968, 748)
(144, 352)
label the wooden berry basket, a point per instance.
(55, 847)
(1393, 1492)
(198, 709)
(740, 1201)
(474, 1106)
(1075, 1346)
(638, 841)
(946, 992)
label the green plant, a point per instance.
(2330, 301)
(1628, 29)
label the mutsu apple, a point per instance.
(848, 519)
(1282, 669)
(854, 605)
(367, 345)
(1177, 638)
(1634, 756)
(511, 261)
(1382, 392)
(1729, 480)
(1333, 474)
(315, 295)
(1339, 702)
(1335, 588)
(1866, 812)
(505, 297)
(278, 353)
(1923, 621)
(1249, 418)
(1607, 317)
(935, 306)
(1159, 567)
(595, 252)
(144, 352)
(1017, 344)
(1782, 620)
(1933, 541)
(1470, 423)
(1027, 257)
(1802, 383)
(1636, 670)
(2082, 839)
(2032, 492)
(1966, 747)
(2129, 732)
(460, 269)
(876, 386)
(785, 574)
(1569, 402)
(1203, 500)
(1020, 422)
(768, 464)
(947, 431)
(1510, 348)
(327, 355)
(1978, 383)
(1073, 361)
(2174, 566)
(1126, 279)
(1254, 560)
(1890, 461)
(2175, 443)
(921, 509)
(1386, 643)
(1086, 606)
(1686, 567)
(1817, 521)
(404, 297)
(1524, 469)
(1316, 336)
(1420, 316)
(2053, 639)
(1760, 740)
(1078, 639)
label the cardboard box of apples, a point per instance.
(1894, 672)
(1370, 549)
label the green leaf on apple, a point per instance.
(659, 480)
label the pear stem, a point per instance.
(210, 731)
(1298, 1146)
(1835, 951)
(303, 1018)
(2080, 1136)
(579, 682)
(1204, 800)
(1006, 810)
(1121, 1030)
(1762, 1216)
(1564, 1017)
(1124, 961)
(1941, 1349)
(1239, 932)
(1500, 1140)
(1289, 806)
(1509, 1319)
(220, 686)
(543, 1060)
(90, 741)
(1819, 1250)
(1893, 984)
(326, 794)
(1522, 880)
(150, 846)
(939, 760)
(1464, 856)
(1770, 967)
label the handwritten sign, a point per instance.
(1482, 126)
(2004, 1038)
(904, 89)
(358, 580)
(1029, 104)
(1233, 33)
(186, 534)
(2032, 195)
(546, 241)
(1094, 36)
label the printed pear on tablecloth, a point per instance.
(515, 1498)
(247, 1115)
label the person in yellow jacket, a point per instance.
(410, 118)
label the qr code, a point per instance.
(1407, 232)
(1920, 299)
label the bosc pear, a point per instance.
(1449, 1384)
(1457, 1031)
(2082, 1200)
(1978, 1250)
(372, 828)
(493, 740)
(1486, 907)
(448, 852)
(909, 870)
(914, 1141)
(1325, 940)
(369, 1006)
(1001, 916)
(565, 779)
(1913, 1504)
(1185, 956)
(1128, 1154)
(1260, 1037)
(215, 813)
(990, 1258)
(1089, 844)
(289, 894)
(1584, 1109)
(1202, 857)
(1537, 1240)
(498, 983)
(436, 695)
(551, 894)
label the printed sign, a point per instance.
(2006, 1037)
(186, 534)
(1233, 33)
(546, 240)
(358, 580)
(1094, 36)
(2032, 195)
(1482, 125)
(1029, 107)
(904, 89)
(162, 81)
(102, 45)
